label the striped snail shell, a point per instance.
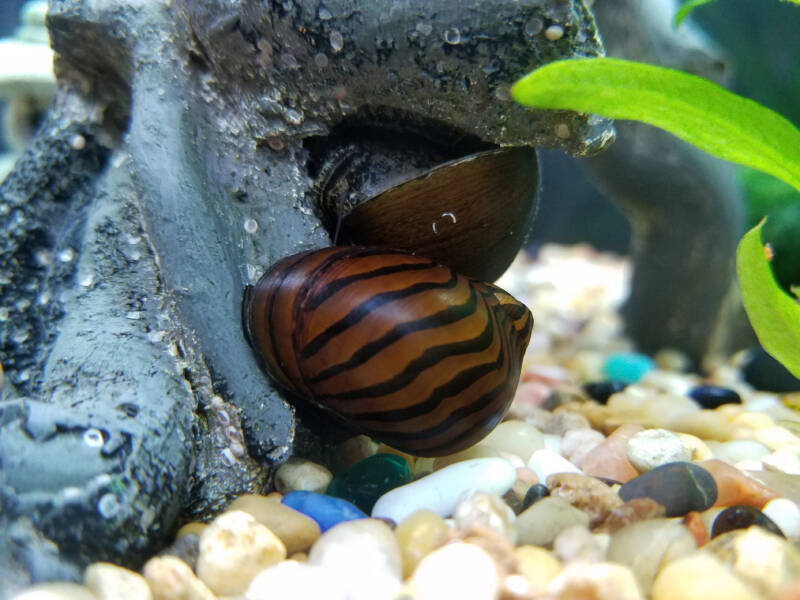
(468, 211)
(395, 345)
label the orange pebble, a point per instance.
(734, 487)
(694, 523)
(609, 458)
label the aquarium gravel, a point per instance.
(614, 476)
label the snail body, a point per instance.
(395, 345)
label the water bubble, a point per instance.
(78, 142)
(324, 14)
(554, 32)
(223, 417)
(502, 93)
(275, 143)
(288, 61)
(250, 226)
(237, 449)
(155, 336)
(133, 315)
(23, 376)
(20, 336)
(4, 314)
(533, 26)
(108, 506)
(321, 60)
(337, 41)
(44, 298)
(66, 255)
(87, 280)
(93, 438)
(44, 258)
(424, 28)
(452, 36)
(228, 457)
(22, 304)
(444, 220)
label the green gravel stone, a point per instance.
(365, 482)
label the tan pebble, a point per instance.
(698, 449)
(291, 580)
(295, 530)
(595, 581)
(517, 437)
(110, 582)
(587, 493)
(669, 382)
(274, 496)
(55, 591)
(565, 419)
(477, 451)
(648, 408)
(234, 549)
(578, 544)
(476, 508)
(365, 554)
(596, 414)
(765, 561)
(302, 474)
(647, 546)
(192, 528)
(456, 570)
(705, 424)
(540, 524)
(753, 420)
(538, 566)
(734, 487)
(670, 359)
(632, 511)
(776, 438)
(700, 576)
(610, 458)
(494, 544)
(353, 451)
(418, 536)
(170, 578)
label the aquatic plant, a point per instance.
(711, 118)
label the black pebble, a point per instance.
(535, 493)
(712, 396)
(679, 486)
(602, 390)
(765, 373)
(742, 517)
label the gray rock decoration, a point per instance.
(170, 172)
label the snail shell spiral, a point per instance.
(395, 345)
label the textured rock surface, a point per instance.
(171, 171)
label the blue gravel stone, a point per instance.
(742, 517)
(325, 510)
(712, 396)
(679, 487)
(629, 367)
(603, 390)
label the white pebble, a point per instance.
(55, 591)
(552, 442)
(785, 514)
(516, 437)
(545, 462)
(365, 554)
(302, 474)
(577, 443)
(456, 570)
(784, 460)
(652, 448)
(291, 580)
(441, 490)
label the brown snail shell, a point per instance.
(471, 213)
(397, 346)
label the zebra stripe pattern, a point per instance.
(395, 345)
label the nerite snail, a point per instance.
(394, 344)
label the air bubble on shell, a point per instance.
(502, 93)
(321, 60)
(228, 457)
(44, 258)
(324, 14)
(87, 280)
(293, 116)
(533, 26)
(78, 142)
(66, 255)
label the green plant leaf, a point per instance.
(686, 8)
(774, 314)
(697, 111)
